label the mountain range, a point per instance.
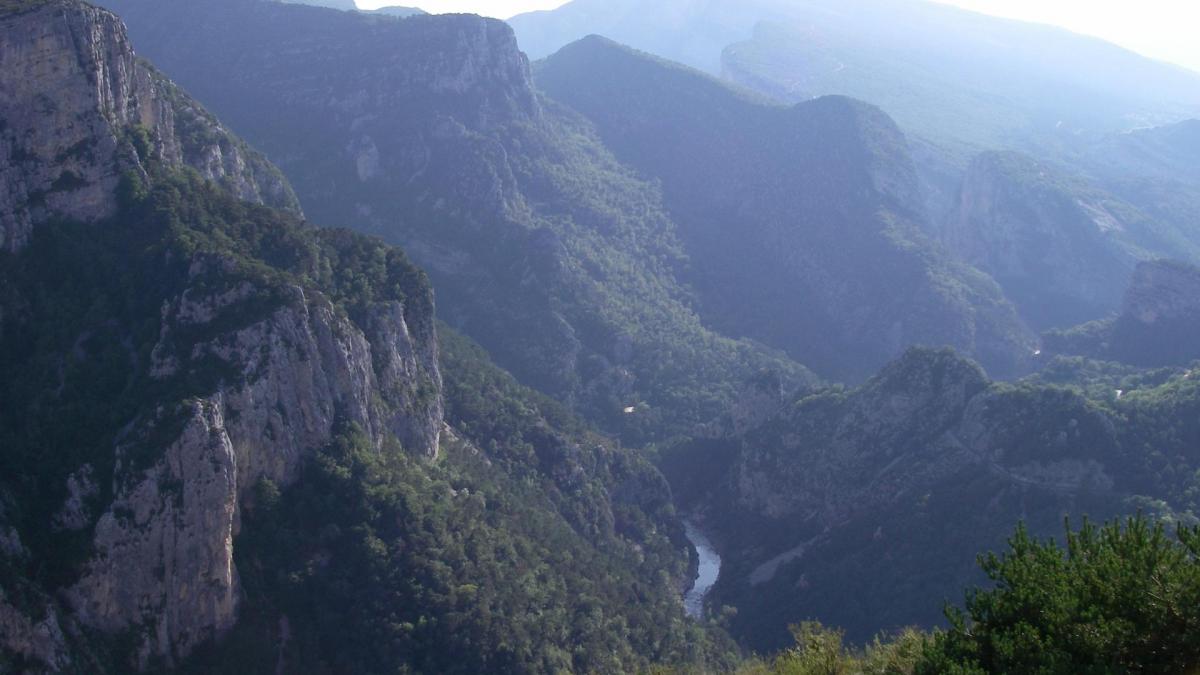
(341, 341)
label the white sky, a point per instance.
(1163, 29)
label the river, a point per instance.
(706, 576)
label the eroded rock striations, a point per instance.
(258, 360)
(165, 545)
(79, 108)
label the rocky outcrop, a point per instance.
(852, 506)
(293, 374)
(1156, 327)
(924, 419)
(254, 368)
(1163, 291)
(80, 111)
(1160, 317)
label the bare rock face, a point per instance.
(97, 113)
(164, 563)
(1160, 317)
(1061, 251)
(1163, 291)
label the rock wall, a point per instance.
(164, 564)
(79, 110)
(1063, 252)
(249, 375)
(1163, 291)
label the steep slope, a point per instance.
(428, 132)
(96, 104)
(862, 508)
(1156, 326)
(800, 223)
(1063, 250)
(214, 416)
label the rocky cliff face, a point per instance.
(1063, 251)
(164, 565)
(78, 107)
(1163, 291)
(1160, 316)
(289, 370)
(252, 367)
(1156, 326)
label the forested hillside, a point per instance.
(463, 364)
(560, 261)
(803, 224)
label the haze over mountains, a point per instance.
(852, 288)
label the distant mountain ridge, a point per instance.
(803, 225)
(955, 81)
(806, 48)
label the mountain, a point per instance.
(945, 74)
(396, 11)
(231, 441)
(692, 32)
(857, 507)
(1156, 325)
(801, 223)
(352, 6)
(1061, 248)
(559, 260)
(956, 82)
(343, 5)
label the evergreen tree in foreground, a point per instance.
(1120, 598)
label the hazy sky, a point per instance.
(501, 9)
(1163, 29)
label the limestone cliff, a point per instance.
(80, 110)
(1063, 250)
(164, 563)
(1163, 291)
(1157, 324)
(221, 341)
